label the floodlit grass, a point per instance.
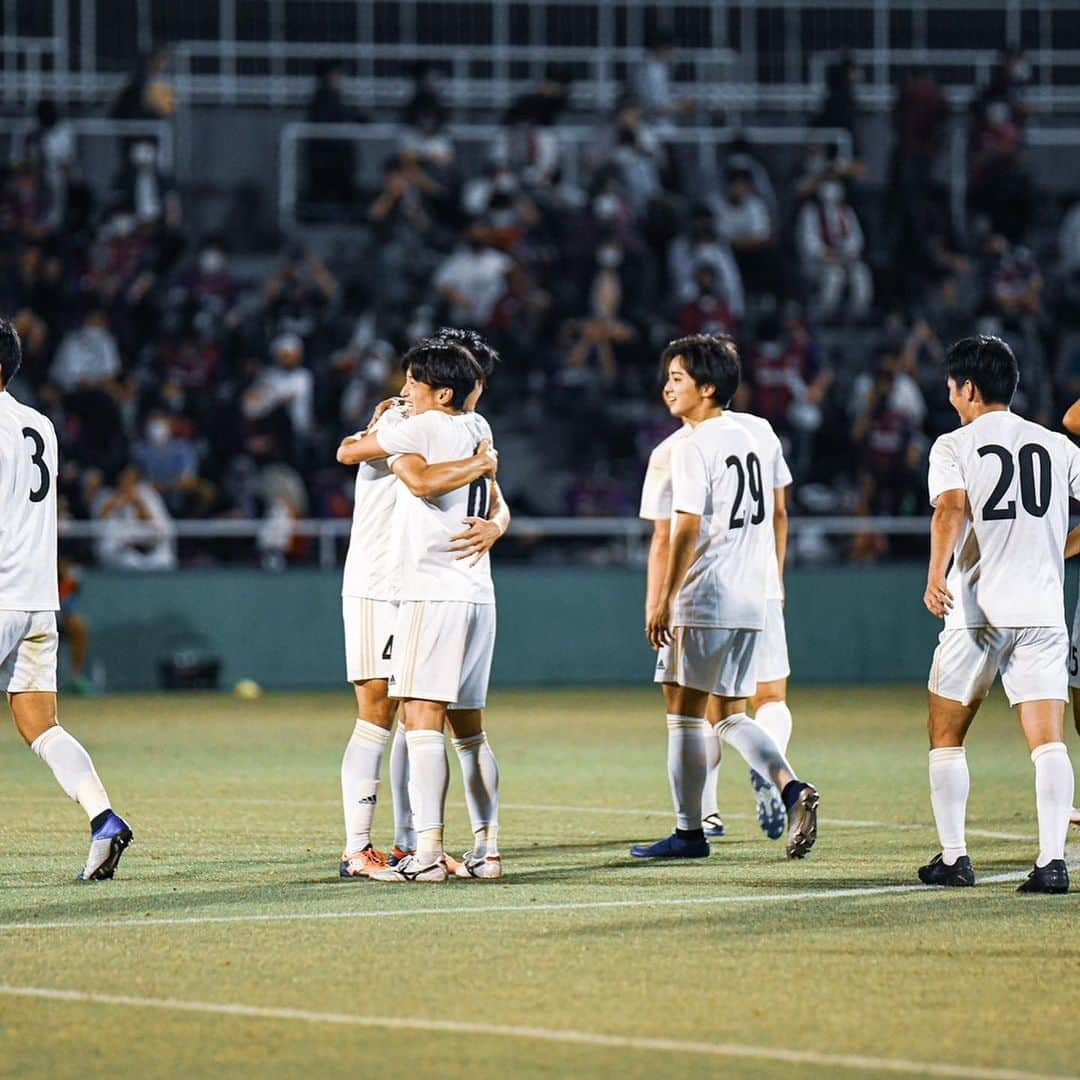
(235, 807)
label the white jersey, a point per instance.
(28, 471)
(1008, 568)
(716, 473)
(429, 569)
(656, 491)
(371, 565)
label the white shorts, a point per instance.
(28, 647)
(1033, 662)
(772, 654)
(369, 637)
(712, 659)
(442, 652)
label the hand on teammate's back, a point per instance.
(477, 539)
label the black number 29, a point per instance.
(38, 458)
(750, 477)
(1036, 501)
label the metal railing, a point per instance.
(576, 141)
(91, 127)
(627, 535)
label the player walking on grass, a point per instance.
(706, 617)
(29, 600)
(369, 610)
(445, 631)
(770, 695)
(1000, 488)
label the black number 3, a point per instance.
(38, 458)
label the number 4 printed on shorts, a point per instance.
(389, 647)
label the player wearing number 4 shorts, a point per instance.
(706, 617)
(1000, 487)
(29, 600)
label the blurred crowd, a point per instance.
(188, 380)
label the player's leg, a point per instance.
(404, 830)
(1036, 684)
(28, 674)
(369, 628)
(677, 704)
(479, 769)
(426, 664)
(1074, 813)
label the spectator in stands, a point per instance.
(49, 148)
(905, 396)
(167, 459)
(701, 244)
(300, 293)
(708, 312)
(88, 356)
(425, 118)
(839, 108)
(739, 156)
(285, 392)
(139, 533)
(831, 245)
(744, 220)
(475, 280)
(147, 95)
(530, 145)
(1069, 250)
(652, 83)
(330, 162)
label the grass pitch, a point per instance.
(227, 945)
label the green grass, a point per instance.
(236, 813)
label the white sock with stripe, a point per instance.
(360, 765)
(713, 754)
(429, 780)
(775, 718)
(1054, 789)
(404, 832)
(480, 773)
(950, 783)
(756, 745)
(686, 761)
(73, 769)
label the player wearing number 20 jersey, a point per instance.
(1000, 486)
(29, 600)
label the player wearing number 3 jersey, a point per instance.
(29, 600)
(1000, 486)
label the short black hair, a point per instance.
(709, 359)
(988, 363)
(443, 365)
(10, 352)
(481, 351)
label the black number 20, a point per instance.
(748, 477)
(38, 458)
(1035, 501)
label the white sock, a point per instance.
(1054, 785)
(709, 804)
(775, 718)
(404, 833)
(756, 746)
(429, 780)
(73, 769)
(480, 773)
(686, 763)
(949, 786)
(360, 767)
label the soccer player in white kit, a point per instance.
(369, 612)
(769, 700)
(445, 631)
(29, 600)
(706, 618)
(1000, 488)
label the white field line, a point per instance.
(840, 823)
(506, 909)
(568, 1037)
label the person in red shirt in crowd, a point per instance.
(709, 312)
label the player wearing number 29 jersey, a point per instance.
(28, 603)
(1000, 486)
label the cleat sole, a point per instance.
(803, 833)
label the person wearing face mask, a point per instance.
(474, 280)
(702, 245)
(831, 246)
(167, 461)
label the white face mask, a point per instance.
(831, 191)
(211, 261)
(158, 432)
(609, 257)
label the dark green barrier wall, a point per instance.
(566, 625)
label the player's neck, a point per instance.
(979, 408)
(701, 413)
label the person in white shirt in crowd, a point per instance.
(1000, 487)
(474, 279)
(288, 384)
(87, 356)
(29, 600)
(831, 244)
(701, 244)
(706, 615)
(746, 223)
(139, 532)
